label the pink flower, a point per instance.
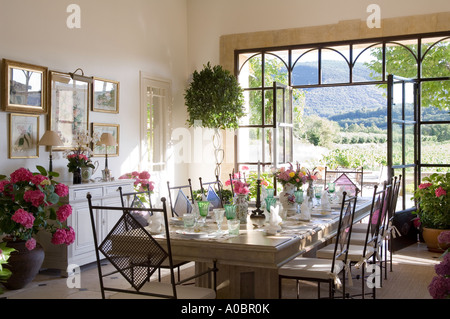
(439, 288)
(444, 237)
(30, 244)
(24, 218)
(59, 237)
(70, 236)
(36, 198)
(144, 175)
(20, 175)
(61, 190)
(424, 185)
(2, 185)
(245, 168)
(37, 179)
(440, 192)
(135, 174)
(227, 182)
(63, 212)
(443, 268)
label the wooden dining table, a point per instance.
(248, 263)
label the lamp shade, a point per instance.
(50, 138)
(107, 139)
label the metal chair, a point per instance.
(135, 200)
(350, 180)
(216, 187)
(325, 270)
(180, 193)
(136, 255)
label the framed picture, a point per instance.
(97, 130)
(105, 97)
(69, 107)
(23, 135)
(24, 87)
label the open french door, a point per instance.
(283, 141)
(402, 152)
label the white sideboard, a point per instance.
(82, 251)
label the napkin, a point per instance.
(324, 201)
(274, 220)
(305, 213)
(156, 222)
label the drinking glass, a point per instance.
(230, 211)
(298, 199)
(233, 226)
(331, 187)
(270, 201)
(219, 213)
(318, 193)
(203, 208)
(270, 192)
(189, 220)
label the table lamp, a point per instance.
(50, 138)
(108, 140)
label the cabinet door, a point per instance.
(81, 223)
(110, 217)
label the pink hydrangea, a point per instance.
(443, 268)
(440, 192)
(144, 175)
(37, 179)
(59, 237)
(70, 236)
(20, 175)
(240, 187)
(36, 198)
(63, 212)
(61, 190)
(444, 237)
(2, 185)
(439, 288)
(30, 244)
(24, 218)
(424, 185)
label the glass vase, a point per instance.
(77, 176)
(241, 203)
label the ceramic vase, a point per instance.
(430, 236)
(23, 263)
(241, 203)
(287, 198)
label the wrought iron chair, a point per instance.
(136, 255)
(135, 200)
(182, 204)
(213, 192)
(325, 270)
(350, 180)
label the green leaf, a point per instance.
(42, 170)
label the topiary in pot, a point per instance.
(215, 98)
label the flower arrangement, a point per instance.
(240, 187)
(79, 156)
(433, 198)
(297, 176)
(439, 288)
(142, 181)
(28, 201)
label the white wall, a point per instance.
(116, 41)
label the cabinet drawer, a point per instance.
(81, 193)
(114, 190)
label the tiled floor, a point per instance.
(413, 268)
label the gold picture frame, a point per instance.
(23, 136)
(105, 95)
(97, 130)
(24, 87)
(68, 107)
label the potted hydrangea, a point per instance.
(30, 203)
(433, 211)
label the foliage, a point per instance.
(4, 256)
(266, 181)
(353, 157)
(215, 98)
(28, 201)
(433, 198)
(79, 156)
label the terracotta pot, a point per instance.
(23, 263)
(430, 236)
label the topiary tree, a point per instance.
(215, 98)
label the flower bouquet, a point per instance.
(142, 183)
(79, 156)
(296, 177)
(28, 201)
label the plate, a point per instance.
(191, 234)
(176, 221)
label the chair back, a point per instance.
(350, 180)
(135, 199)
(132, 250)
(344, 230)
(180, 203)
(212, 192)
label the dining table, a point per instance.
(248, 262)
